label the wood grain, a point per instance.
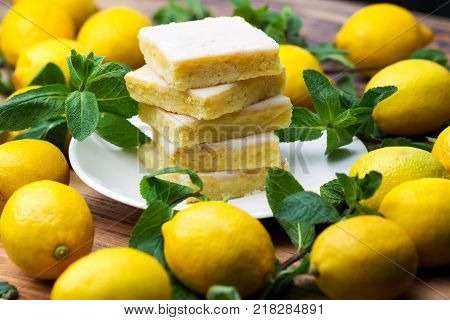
(114, 221)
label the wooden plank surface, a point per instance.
(114, 221)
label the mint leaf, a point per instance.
(333, 193)
(167, 192)
(305, 126)
(336, 138)
(53, 131)
(180, 291)
(325, 97)
(119, 131)
(49, 74)
(8, 292)
(174, 12)
(146, 235)
(279, 185)
(106, 71)
(356, 189)
(80, 68)
(404, 142)
(328, 52)
(347, 84)
(375, 95)
(218, 292)
(32, 107)
(307, 207)
(82, 114)
(432, 55)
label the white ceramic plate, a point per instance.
(116, 173)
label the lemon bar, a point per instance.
(184, 131)
(204, 53)
(216, 185)
(146, 86)
(256, 151)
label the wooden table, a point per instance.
(114, 221)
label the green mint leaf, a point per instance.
(82, 114)
(353, 116)
(325, 97)
(106, 71)
(305, 126)
(80, 68)
(369, 184)
(347, 84)
(333, 192)
(405, 142)
(218, 292)
(328, 52)
(32, 107)
(350, 187)
(146, 235)
(293, 23)
(284, 278)
(53, 131)
(180, 291)
(431, 54)
(356, 189)
(119, 131)
(112, 96)
(241, 3)
(279, 185)
(8, 292)
(49, 74)
(336, 138)
(167, 192)
(307, 207)
(198, 9)
(375, 95)
(174, 12)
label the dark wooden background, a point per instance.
(114, 221)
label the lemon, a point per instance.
(26, 161)
(114, 274)
(381, 34)
(213, 243)
(421, 103)
(45, 226)
(441, 149)
(80, 10)
(34, 58)
(296, 60)
(397, 165)
(365, 257)
(31, 22)
(422, 209)
(113, 33)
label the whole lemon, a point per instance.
(381, 34)
(113, 33)
(441, 149)
(7, 136)
(365, 257)
(31, 22)
(80, 10)
(114, 274)
(421, 103)
(34, 58)
(216, 243)
(296, 60)
(397, 165)
(26, 161)
(422, 209)
(45, 227)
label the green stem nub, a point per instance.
(61, 252)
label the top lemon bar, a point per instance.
(204, 53)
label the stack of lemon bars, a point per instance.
(210, 90)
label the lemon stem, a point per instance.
(61, 252)
(294, 258)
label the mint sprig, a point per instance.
(176, 12)
(218, 292)
(432, 55)
(95, 100)
(340, 114)
(8, 292)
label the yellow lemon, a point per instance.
(34, 58)
(31, 22)
(80, 10)
(296, 60)
(381, 34)
(114, 274)
(397, 165)
(441, 149)
(113, 33)
(365, 257)
(45, 227)
(26, 161)
(421, 103)
(216, 243)
(422, 209)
